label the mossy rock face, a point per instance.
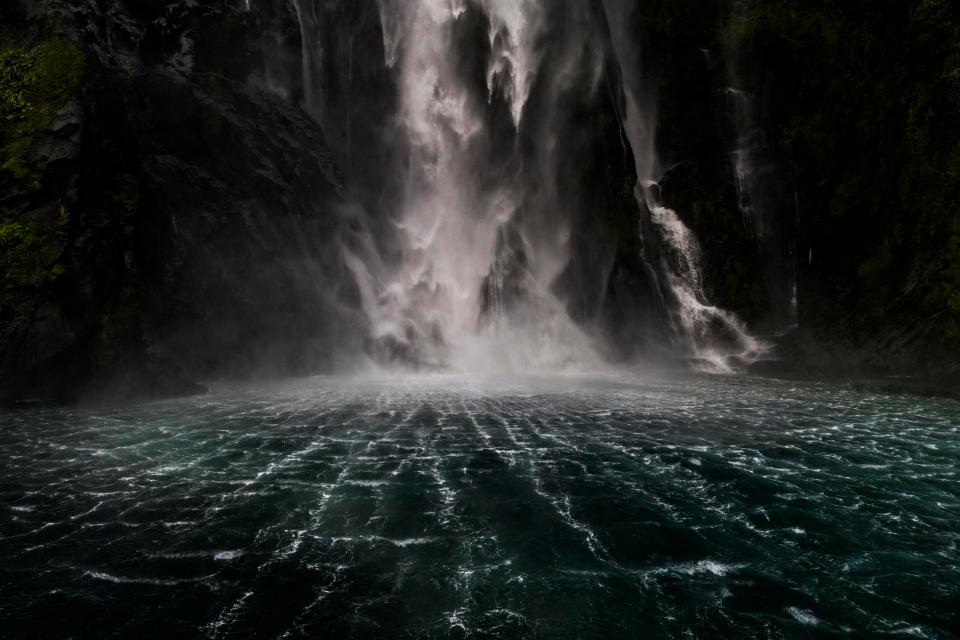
(36, 81)
(169, 230)
(149, 191)
(862, 100)
(28, 257)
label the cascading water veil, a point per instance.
(751, 141)
(471, 291)
(716, 339)
(307, 22)
(485, 273)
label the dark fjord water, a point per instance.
(453, 507)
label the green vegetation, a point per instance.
(35, 82)
(863, 98)
(120, 326)
(796, 25)
(28, 251)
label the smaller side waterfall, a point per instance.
(764, 205)
(715, 339)
(307, 19)
(712, 338)
(746, 158)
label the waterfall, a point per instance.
(751, 144)
(765, 206)
(470, 290)
(513, 54)
(481, 270)
(306, 18)
(715, 339)
(712, 338)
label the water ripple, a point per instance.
(456, 507)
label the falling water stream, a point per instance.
(448, 304)
(474, 291)
(714, 339)
(480, 246)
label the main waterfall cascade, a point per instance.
(471, 288)
(484, 233)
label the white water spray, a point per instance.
(513, 31)
(469, 293)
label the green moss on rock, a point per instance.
(28, 254)
(35, 82)
(120, 326)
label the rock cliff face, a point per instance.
(183, 184)
(176, 216)
(814, 150)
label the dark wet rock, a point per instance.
(187, 213)
(184, 213)
(509, 283)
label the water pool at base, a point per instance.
(455, 507)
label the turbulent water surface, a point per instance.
(454, 507)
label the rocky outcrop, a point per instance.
(181, 214)
(848, 119)
(180, 182)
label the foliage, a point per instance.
(120, 325)
(35, 82)
(863, 98)
(27, 251)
